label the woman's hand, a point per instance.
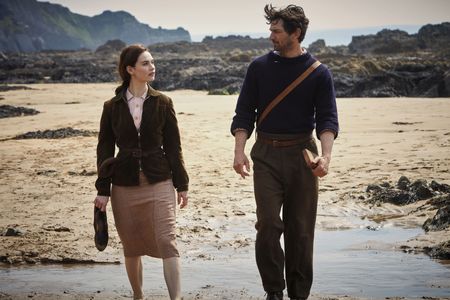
(182, 198)
(101, 202)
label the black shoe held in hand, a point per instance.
(101, 229)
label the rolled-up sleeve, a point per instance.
(325, 106)
(245, 113)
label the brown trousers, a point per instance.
(283, 180)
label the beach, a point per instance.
(47, 187)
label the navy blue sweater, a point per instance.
(310, 105)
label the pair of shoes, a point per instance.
(101, 229)
(275, 296)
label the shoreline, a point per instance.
(381, 140)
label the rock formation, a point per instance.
(29, 25)
(391, 63)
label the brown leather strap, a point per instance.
(280, 143)
(287, 90)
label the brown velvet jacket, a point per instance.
(160, 156)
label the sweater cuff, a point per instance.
(330, 130)
(182, 188)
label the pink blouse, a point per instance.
(136, 104)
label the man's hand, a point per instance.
(323, 162)
(321, 166)
(182, 199)
(241, 164)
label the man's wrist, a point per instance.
(240, 129)
(327, 157)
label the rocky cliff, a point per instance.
(29, 25)
(419, 66)
(435, 37)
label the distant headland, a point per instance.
(29, 25)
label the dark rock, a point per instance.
(385, 185)
(13, 232)
(3, 56)
(218, 92)
(403, 183)
(56, 134)
(46, 172)
(228, 90)
(7, 111)
(434, 36)
(404, 192)
(421, 189)
(440, 201)
(384, 42)
(83, 173)
(218, 65)
(393, 196)
(320, 49)
(57, 228)
(405, 123)
(232, 42)
(435, 186)
(65, 260)
(30, 260)
(373, 228)
(442, 251)
(317, 47)
(373, 188)
(440, 221)
(5, 88)
(112, 46)
(14, 260)
(161, 50)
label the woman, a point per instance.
(141, 122)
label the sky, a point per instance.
(210, 17)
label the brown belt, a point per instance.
(280, 143)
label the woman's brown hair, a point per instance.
(128, 57)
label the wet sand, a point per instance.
(47, 192)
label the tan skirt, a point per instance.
(145, 218)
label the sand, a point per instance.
(45, 192)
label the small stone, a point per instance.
(373, 228)
(385, 185)
(435, 186)
(373, 188)
(440, 221)
(13, 232)
(403, 183)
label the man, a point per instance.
(282, 179)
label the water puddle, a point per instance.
(357, 262)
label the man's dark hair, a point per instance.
(293, 17)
